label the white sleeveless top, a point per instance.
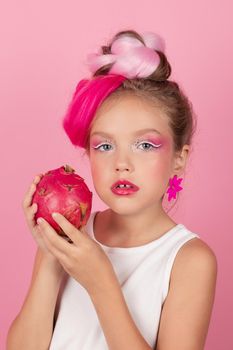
(143, 273)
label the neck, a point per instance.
(150, 222)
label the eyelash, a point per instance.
(136, 143)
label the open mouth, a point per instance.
(124, 189)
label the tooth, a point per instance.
(124, 186)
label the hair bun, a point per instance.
(154, 41)
(131, 55)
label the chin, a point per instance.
(124, 207)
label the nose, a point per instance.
(123, 163)
(123, 168)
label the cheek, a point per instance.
(159, 174)
(96, 168)
(99, 170)
(161, 164)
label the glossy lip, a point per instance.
(126, 182)
(123, 191)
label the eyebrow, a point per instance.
(136, 133)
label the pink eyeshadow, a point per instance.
(95, 142)
(153, 139)
(163, 141)
(156, 141)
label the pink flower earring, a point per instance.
(174, 187)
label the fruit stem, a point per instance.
(68, 169)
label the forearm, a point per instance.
(117, 324)
(33, 326)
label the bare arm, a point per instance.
(187, 310)
(116, 321)
(33, 326)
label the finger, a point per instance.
(28, 197)
(50, 248)
(70, 230)
(30, 216)
(29, 194)
(37, 178)
(55, 241)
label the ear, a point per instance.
(180, 160)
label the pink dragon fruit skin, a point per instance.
(62, 190)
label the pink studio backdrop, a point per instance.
(43, 46)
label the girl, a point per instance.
(133, 279)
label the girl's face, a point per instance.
(121, 148)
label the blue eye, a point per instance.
(151, 147)
(150, 144)
(103, 144)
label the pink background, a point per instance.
(43, 46)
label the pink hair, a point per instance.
(88, 96)
(130, 58)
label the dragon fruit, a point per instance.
(62, 190)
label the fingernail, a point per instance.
(40, 220)
(54, 215)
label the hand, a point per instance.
(83, 259)
(29, 212)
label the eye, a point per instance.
(150, 146)
(103, 144)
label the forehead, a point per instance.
(131, 115)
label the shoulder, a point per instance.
(187, 309)
(194, 255)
